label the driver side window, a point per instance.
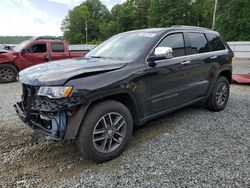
(176, 42)
(37, 48)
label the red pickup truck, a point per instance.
(31, 52)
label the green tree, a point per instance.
(98, 20)
(133, 14)
(141, 13)
(233, 19)
(203, 12)
(164, 13)
(126, 16)
(91, 11)
(73, 25)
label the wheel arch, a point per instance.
(227, 74)
(126, 99)
(10, 63)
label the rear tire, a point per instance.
(219, 96)
(8, 73)
(105, 131)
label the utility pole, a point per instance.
(214, 15)
(86, 29)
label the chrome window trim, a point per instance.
(206, 53)
(173, 32)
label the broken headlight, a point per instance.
(55, 92)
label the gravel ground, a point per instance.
(188, 148)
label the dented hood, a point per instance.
(59, 72)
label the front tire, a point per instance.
(219, 96)
(8, 73)
(105, 131)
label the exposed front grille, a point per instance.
(28, 96)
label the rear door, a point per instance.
(219, 53)
(58, 50)
(195, 68)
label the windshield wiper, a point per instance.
(103, 57)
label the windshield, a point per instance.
(124, 46)
(20, 46)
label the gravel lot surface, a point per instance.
(192, 147)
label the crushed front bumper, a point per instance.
(56, 119)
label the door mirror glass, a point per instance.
(165, 52)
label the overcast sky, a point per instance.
(37, 17)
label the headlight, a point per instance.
(55, 92)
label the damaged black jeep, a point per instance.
(127, 80)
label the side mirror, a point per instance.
(165, 52)
(23, 51)
(160, 53)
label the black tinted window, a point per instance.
(198, 43)
(176, 42)
(215, 42)
(37, 48)
(57, 47)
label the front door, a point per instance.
(163, 80)
(34, 54)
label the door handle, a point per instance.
(185, 62)
(214, 57)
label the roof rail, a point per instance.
(189, 27)
(47, 38)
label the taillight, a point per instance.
(232, 54)
(233, 58)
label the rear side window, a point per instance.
(37, 48)
(176, 42)
(215, 42)
(57, 47)
(198, 43)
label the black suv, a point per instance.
(127, 80)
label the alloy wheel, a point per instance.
(221, 94)
(6, 73)
(109, 132)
